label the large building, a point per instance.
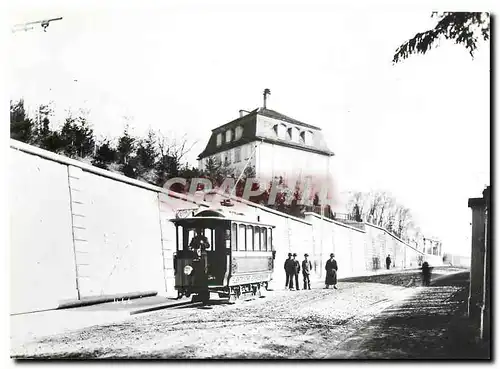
(277, 146)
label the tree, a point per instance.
(46, 138)
(77, 137)
(356, 205)
(462, 27)
(356, 213)
(170, 155)
(146, 151)
(403, 221)
(126, 146)
(105, 155)
(22, 127)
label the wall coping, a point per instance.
(395, 237)
(334, 221)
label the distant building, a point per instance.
(432, 246)
(279, 146)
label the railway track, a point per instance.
(190, 304)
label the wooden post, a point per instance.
(476, 293)
(485, 313)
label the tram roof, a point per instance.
(220, 215)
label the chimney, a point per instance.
(266, 92)
(242, 112)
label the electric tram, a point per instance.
(223, 252)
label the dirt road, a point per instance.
(284, 324)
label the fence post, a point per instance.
(477, 269)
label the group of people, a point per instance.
(293, 267)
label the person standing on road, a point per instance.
(288, 270)
(331, 272)
(306, 271)
(388, 261)
(295, 272)
(426, 274)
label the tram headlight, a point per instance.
(188, 269)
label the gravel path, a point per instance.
(284, 324)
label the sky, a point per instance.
(419, 129)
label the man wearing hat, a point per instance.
(295, 272)
(331, 272)
(288, 269)
(306, 271)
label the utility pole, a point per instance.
(30, 25)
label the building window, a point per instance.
(244, 151)
(237, 155)
(229, 135)
(302, 138)
(227, 158)
(219, 139)
(238, 132)
(280, 130)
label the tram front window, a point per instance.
(200, 241)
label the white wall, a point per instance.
(69, 219)
(124, 251)
(276, 160)
(42, 264)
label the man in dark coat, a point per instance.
(295, 272)
(288, 269)
(306, 271)
(426, 273)
(388, 261)
(331, 272)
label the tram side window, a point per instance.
(234, 232)
(241, 238)
(250, 243)
(256, 239)
(270, 239)
(264, 239)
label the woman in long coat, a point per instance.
(331, 272)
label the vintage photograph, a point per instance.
(249, 181)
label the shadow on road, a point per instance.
(433, 324)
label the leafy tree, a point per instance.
(464, 28)
(22, 127)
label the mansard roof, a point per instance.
(249, 124)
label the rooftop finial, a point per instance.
(266, 92)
